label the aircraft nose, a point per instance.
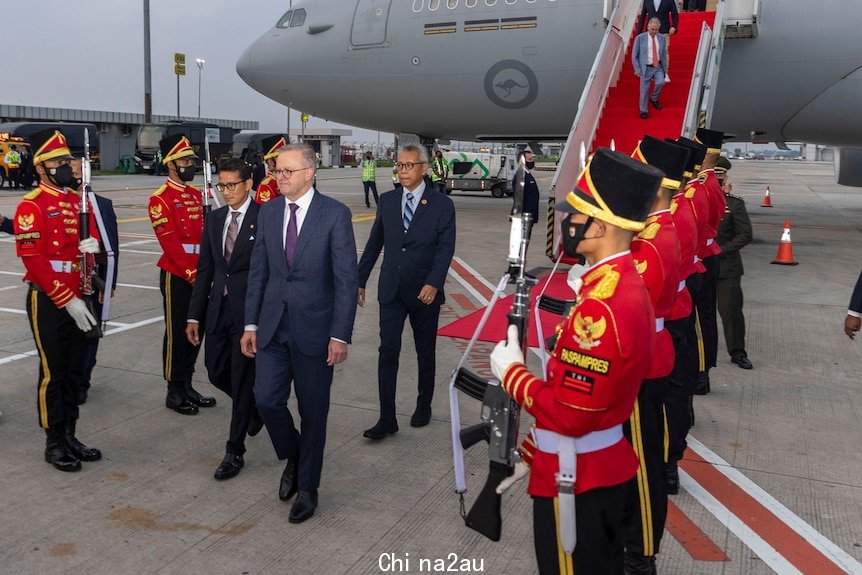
(245, 66)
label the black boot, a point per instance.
(637, 564)
(56, 452)
(196, 398)
(701, 386)
(178, 401)
(77, 448)
(671, 479)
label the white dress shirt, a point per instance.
(304, 202)
(242, 210)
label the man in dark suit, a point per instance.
(218, 298)
(300, 307)
(531, 188)
(6, 225)
(416, 225)
(853, 321)
(649, 60)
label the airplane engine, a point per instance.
(848, 167)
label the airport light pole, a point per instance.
(200, 62)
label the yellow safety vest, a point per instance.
(369, 168)
(440, 172)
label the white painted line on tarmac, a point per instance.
(136, 243)
(19, 274)
(9, 287)
(142, 252)
(24, 312)
(745, 534)
(476, 274)
(136, 286)
(814, 537)
(476, 295)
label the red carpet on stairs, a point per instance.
(620, 119)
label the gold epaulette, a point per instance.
(607, 278)
(161, 190)
(193, 188)
(34, 194)
(650, 231)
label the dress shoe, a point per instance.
(303, 507)
(82, 396)
(197, 398)
(255, 425)
(289, 479)
(421, 417)
(229, 466)
(57, 453)
(742, 361)
(636, 564)
(76, 448)
(671, 479)
(177, 400)
(701, 386)
(381, 429)
(644, 115)
(655, 104)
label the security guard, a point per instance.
(268, 188)
(13, 164)
(177, 217)
(582, 461)
(439, 172)
(656, 252)
(734, 233)
(48, 243)
(369, 178)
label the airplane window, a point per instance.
(433, 5)
(490, 2)
(298, 18)
(418, 5)
(470, 3)
(451, 4)
(511, 1)
(284, 21)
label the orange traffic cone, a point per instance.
(785, 247)
(767, 200)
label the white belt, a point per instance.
(549, 441)
(192, 248)
(681, 286)
(62, 266)
(659, 324)
(710, 241)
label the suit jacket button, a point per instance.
(403, 249)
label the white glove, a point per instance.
(521, 471)
(506, 353)
(89, 246)
(82, 316)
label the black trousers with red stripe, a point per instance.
(178, 355)
(599, 547)
(646, 496)
(61, 346)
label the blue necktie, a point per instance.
(408, 211)
(290, 238)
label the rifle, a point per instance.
(208, 180)
(500, 413)
(88, 261)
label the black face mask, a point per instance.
(62, 176)
(571, 239)
(76, 184)
(186, 174)
(530, 165)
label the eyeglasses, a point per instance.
(279, 173)
(229, 186)
(407, 166)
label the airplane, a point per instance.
(514, 70)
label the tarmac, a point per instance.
(771, 483)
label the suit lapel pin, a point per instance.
(423, 201)
(251, 226)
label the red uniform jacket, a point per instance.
(177, 217)
(717, 205)
(46, 239)
(656, 254)
(267, 190)
(696, 192)
(594, 375)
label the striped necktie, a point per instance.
(408, 211)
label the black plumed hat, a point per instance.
(667, 157)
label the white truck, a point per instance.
(479, 172)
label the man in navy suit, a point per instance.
(218, 298)
(300, 307)
(853, 321)
(649, 59)
(531, 188)
(6, 225)
(416, 225)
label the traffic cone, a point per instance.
(767, 200)
(785, 247)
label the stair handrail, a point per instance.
(716, 48)
(604, 74)
(701, 94)
(691, 119)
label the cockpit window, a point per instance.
(284, 21)
(298, 18)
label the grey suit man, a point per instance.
(649, 59)
(300, 307)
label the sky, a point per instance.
(89, 54)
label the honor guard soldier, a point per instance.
(177, 217)
(48, 243)
(734, 233)
(268, 188)
(582, 461)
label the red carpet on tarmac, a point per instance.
(620, 119)
(495, 328)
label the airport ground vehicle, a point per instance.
(479, 172)
(73, 131)
(247, 143)
(6, 141)
(149, 135)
